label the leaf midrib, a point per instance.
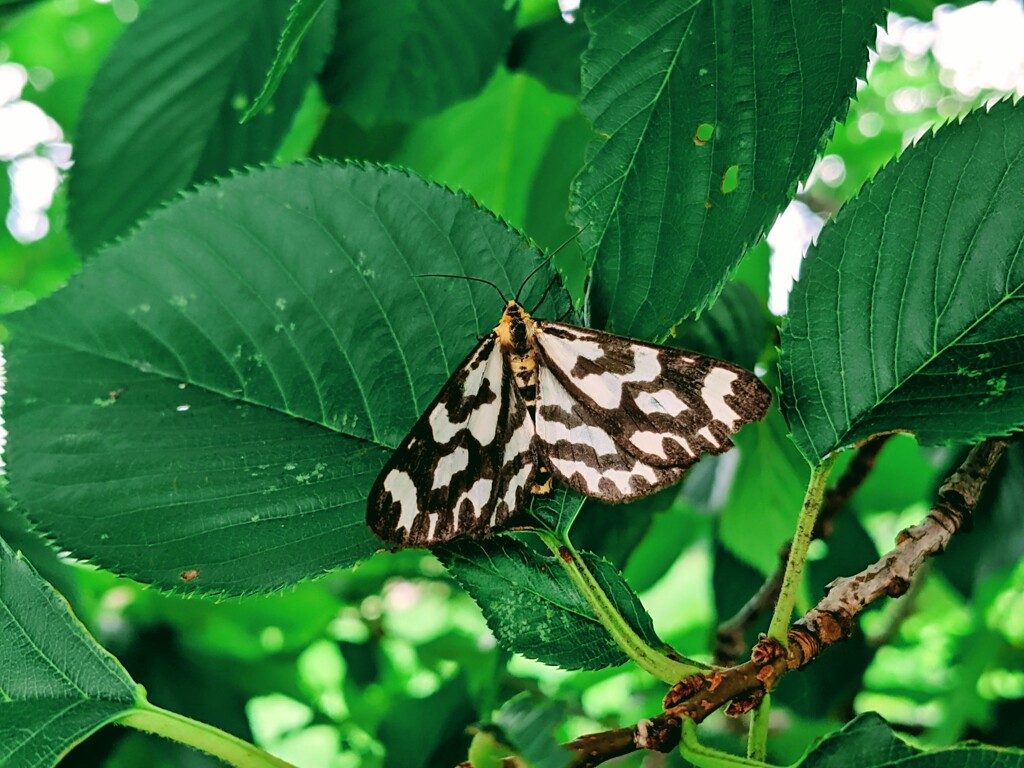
(232, 396)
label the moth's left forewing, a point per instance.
(662, 405)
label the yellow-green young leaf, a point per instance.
(534, 609)
(163, 111)
(869, 742)
(909, 312)
(399, 61)
(712, 111)
(56, 684)
(207, 404)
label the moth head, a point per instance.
(515, 326)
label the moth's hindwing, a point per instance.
(465, 467)
(617, 419)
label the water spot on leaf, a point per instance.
(703, 134)
(730, 179)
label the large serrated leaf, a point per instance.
(534, 609)
(163, 111)
(869, 742)
(208, 403)
(56, 684)
(712, 111)
(909, 311)
(400, 61)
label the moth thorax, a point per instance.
(516, 330)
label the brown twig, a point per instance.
(829, 622)
(729, 638)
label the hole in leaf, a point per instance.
(730, 179)
(703, 134)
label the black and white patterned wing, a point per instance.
(618, 419)
(465, 468)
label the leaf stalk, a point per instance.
(649, 659)
(202, 736)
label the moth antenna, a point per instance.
(544, 295)
(475, 280)
(532, 273)
(547, 260)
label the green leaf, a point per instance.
(206, 406)
(903, 475)
(765, 495)
(300, 18)
(16, 530)
(736, 328)
(401, 61)
(56, 684)
(502, 135)
(548, 198)
(908, 313)
(557, 511)
(528, 724)
(614, 531)
(550, 51)
(163, 110)
(671, 213)
(534, 609)
(869, 742)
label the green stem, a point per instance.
(706, 757)
(798, 552)
(666, 669)
(757, 736)
(232, 750)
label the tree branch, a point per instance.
(729, 639)
(829, 622)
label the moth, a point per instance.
(613, 418)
